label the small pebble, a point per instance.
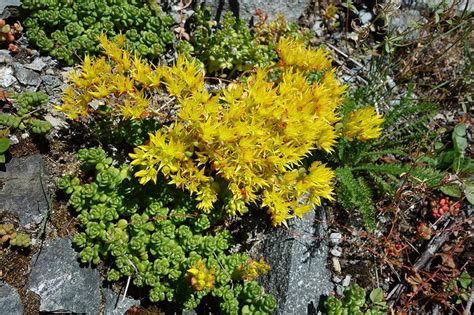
(14, 139)
(346, 281)
(49, 71)
(365, 17)
(336, 265)
(335, 238)
(336, 252)
(317, 28)
(336, 279)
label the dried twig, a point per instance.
(467, 311)
(433, 246)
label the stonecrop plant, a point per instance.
(244, 143)
(228, 49)
(67, 30)
(28, 114)
(155, 235)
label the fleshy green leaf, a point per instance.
(469, 192)
(465, 280)
(4, 144)
(459, 138)
(451, 190)
(376, 296)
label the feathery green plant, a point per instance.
(154, 235)
(373, 168)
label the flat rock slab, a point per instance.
(26, 76)
(6, 76)
(61, 283)
(292, 10)
(114, 304)
(10, 302)
(298, 275)
(23, 189)
(9, 8)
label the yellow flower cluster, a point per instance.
(363, 124)
(293, 52)
(200, 277)
(126, 84)
(253, 269)
(252, 135)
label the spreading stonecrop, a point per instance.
(364, 124)
(155, 236)
(252, 136)
(244, 143)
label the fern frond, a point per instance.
(383, 185)
(374, 155)
(392, 169)
(427, 175)
(355, 194)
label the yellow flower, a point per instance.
(200, 277)
(150, 173)
(363, 124)
(293, 53)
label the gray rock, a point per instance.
(55, 121)
(291, 9)
(114, 304)
(51, 83)
(9, 8)
(298, 258)
(26, 76)
(10, 302)
(61, 282)
(5, 56)
(37, 65)
(459, 5)
(405, 20)
(6, 77)
(22, 191)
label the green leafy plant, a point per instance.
(354, 302)
(30, 109)
(374, 167)
(27, 116)
(455, 159)
(155, 235)
(67, 30)
(8, 234)
(4, 145)
(460, 287)
(232, 48)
